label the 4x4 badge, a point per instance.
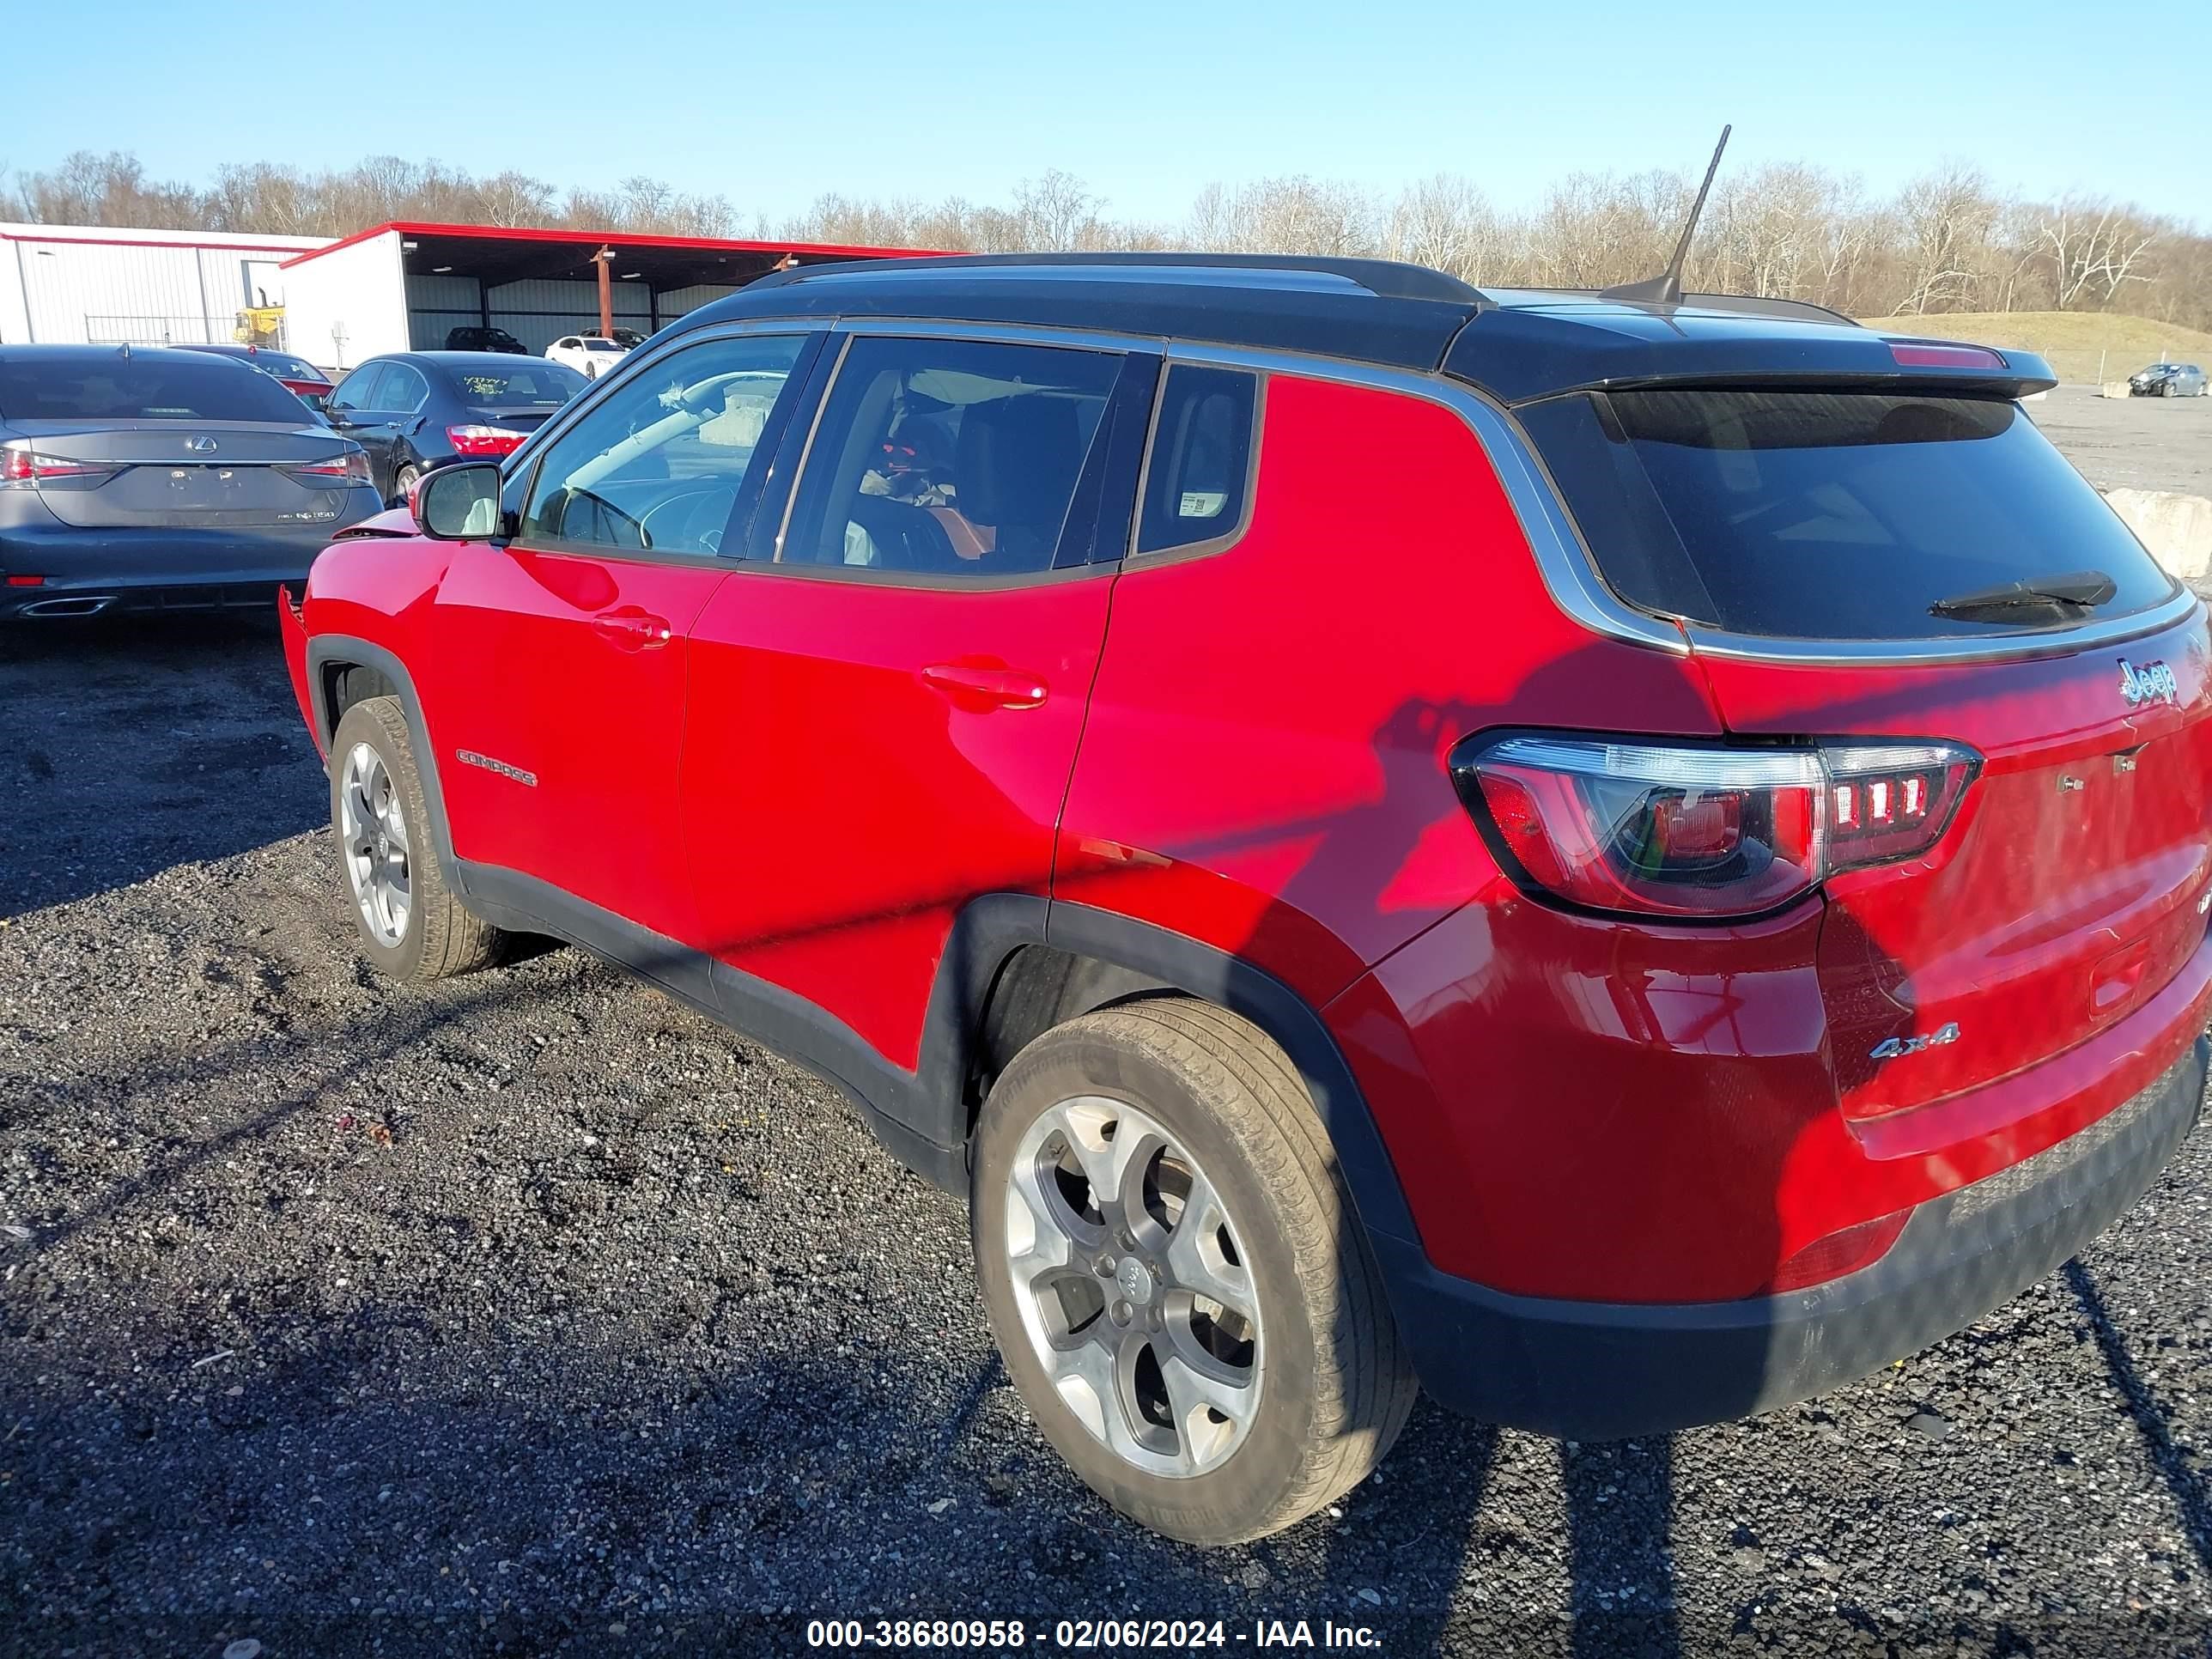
(2152, 683)
(1893, 1046)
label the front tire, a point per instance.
(1182, 1293)
(407, 919)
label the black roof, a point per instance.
(1515, 344)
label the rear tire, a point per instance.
(403, 484)
(1227, 1250)
(405, 916)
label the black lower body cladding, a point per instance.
(1587, 1370)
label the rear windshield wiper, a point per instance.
(2079, 590)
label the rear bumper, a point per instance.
(1599, 1370)
(61, 601)
(89, 571)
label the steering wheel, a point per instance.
(691, 521)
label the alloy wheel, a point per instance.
(373, 835)
(1134, 1288)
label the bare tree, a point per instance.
(1946, 218)
(2093, 246)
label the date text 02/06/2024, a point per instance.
(999, 1635)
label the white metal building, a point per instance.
(405, 287)
(92, 284)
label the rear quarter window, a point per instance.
(1833, 515)
(1200, 471)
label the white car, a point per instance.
(589, 354)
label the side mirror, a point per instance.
(458, 503)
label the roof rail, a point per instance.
(1389, 279)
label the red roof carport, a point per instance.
(539, 284)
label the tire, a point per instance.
(1316, 1379)
(403, 483)
(381, 824)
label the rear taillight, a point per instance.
(1702, 831)
(26, 469)
(478, 442)
(349, 468)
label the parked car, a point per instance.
(484, 339)
(1631, 861)
(414, 411)
(2169, 381)
(299, 377)
(589, 354)
(627, 338)
(148, 478)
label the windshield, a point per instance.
(1836, 515)
(143, 388)
(530, 385)
(592, 344)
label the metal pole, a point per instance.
(603, 259)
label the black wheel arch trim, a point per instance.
(922, 1115)
(326, 650)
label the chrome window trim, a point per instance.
(1563, 558)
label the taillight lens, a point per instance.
(478, 442)
(1703, 832)
(23, 468)
(350, 468)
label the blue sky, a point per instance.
(1148, 102)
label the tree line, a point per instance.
(1949, 240)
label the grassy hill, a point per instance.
(2073, 341)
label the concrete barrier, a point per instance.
(2113, 389)
(2177, 528)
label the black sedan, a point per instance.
(137, 477)
(2170, 381)
(415, 410)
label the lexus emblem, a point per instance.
(201, 446)
(2152, 683)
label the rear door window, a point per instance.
(1835, 515)
(1196, 481)
(949, 458)
(154, 386)
(359, 388)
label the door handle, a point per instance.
(977, 688)
(632, 629)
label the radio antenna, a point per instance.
(1666, 289)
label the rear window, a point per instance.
(528, 385)
(1832, 515)
(148, 388)
(287, 368)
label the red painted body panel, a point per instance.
(572, 669)
(1603, 1111)
(294, 632)
(1263, 768)
(809, 777)
(839, 807)
(2063, 897)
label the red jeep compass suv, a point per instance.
(1628, 860)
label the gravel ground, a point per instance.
(2134, 443)
(531, 1314)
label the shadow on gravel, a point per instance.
(1424, 1536)
(2187, 1485)
(139, 744)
